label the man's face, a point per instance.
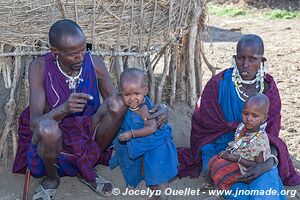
(248, 60)
(71, 52)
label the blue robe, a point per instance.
(157, 152)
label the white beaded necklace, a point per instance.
(237, 80)
(71, 80)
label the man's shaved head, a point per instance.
(63, 28)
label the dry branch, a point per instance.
(10, 107)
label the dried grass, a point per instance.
(108, 24)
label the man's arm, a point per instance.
(37, 96)
(105, 84)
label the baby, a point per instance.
(141, 147)
(250, 145)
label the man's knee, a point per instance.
(49, 132)
(115, 104)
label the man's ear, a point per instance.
(146, 90)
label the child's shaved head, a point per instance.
(132, 75)
(261, 101)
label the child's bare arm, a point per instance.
(149, 126)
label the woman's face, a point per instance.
(248, 60)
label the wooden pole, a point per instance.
(172, 75)
(10, 106)
(191, 53)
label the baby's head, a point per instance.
(255, 111)
(132, 87)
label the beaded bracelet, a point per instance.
(275, 161)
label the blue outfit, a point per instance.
(232, 107)
(157, 152)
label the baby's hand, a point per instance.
(229, 156)
(125, 136)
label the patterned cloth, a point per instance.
(209, 124)
(156, 151)
(251, 151)
(78, 147)
(223, 172)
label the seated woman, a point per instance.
(220, 112)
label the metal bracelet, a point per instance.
(276, 162)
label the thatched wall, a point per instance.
(110, 24)
(127, 32)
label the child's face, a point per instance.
(253, 116)
(133, 93)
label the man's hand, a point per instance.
(125, 136)
(76, 102)
(160, 113)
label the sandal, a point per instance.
(44, 194)
(206, 186)
(100, 181)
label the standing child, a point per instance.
(143, 152)
(250, 146)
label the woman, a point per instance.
(220, 111)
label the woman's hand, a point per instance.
(160, 113)
(255, 171)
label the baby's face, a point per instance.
(253, 116)
(133, 93)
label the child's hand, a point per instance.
(222, 153)
(229, 156)
(125, 136)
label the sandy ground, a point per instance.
(282, 44)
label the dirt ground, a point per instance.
(282, 50)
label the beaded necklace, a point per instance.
(71, 80)
(237, 80)
(240, 132)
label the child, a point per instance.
(250, 146)
(140, 144)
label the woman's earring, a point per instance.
(233, 63)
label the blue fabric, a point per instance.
(266, 184)
(232, 107)
(157, 151)
(87, 84)
(38, 169)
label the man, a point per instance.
(65, 131)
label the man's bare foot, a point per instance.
(50, 183)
